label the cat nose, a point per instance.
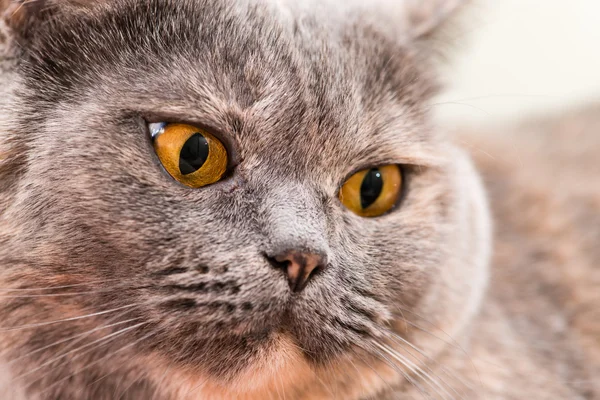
(299, 266)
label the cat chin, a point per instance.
(280, 368)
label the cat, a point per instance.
(219, 199)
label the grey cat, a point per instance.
(219, 199)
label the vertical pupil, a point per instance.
(193, 154)
(370, 189)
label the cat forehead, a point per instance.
(250, 46)
(230, 64)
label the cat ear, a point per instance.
(19, 18)
(425, 17)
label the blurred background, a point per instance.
(522, 58)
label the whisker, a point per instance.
(401, 372)
(192, 390)
(112, 370)
(362, 360)
(395, 337)
(326, 387)
(277, 388)
(334, 378)
(452, 343)
(79, 335)
(96, 362)
(457, 103)
(477, 148)
(27, 326)
(57, 287)
(107, 290)
(282, 388)
(501, 95)
(129, 387)
(20, 6)
(427, 378)
(455, 345)
(359, 374)
(160, 381)
(104, 340)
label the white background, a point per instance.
(523, 57)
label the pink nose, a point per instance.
(299, 266)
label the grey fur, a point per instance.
(303, 98)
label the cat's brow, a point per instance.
(398, 150)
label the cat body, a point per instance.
(119, 282)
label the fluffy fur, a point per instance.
(117, 282)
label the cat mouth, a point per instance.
(226, 324)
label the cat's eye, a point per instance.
(190, 155)
(372, 192)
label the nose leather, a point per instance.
(299, 266)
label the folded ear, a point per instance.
(19, 18)
(412, 22)
(425, 17)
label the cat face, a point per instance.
(299, 109)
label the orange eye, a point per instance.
(190, 155)
(372, 192)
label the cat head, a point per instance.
(267, 259)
